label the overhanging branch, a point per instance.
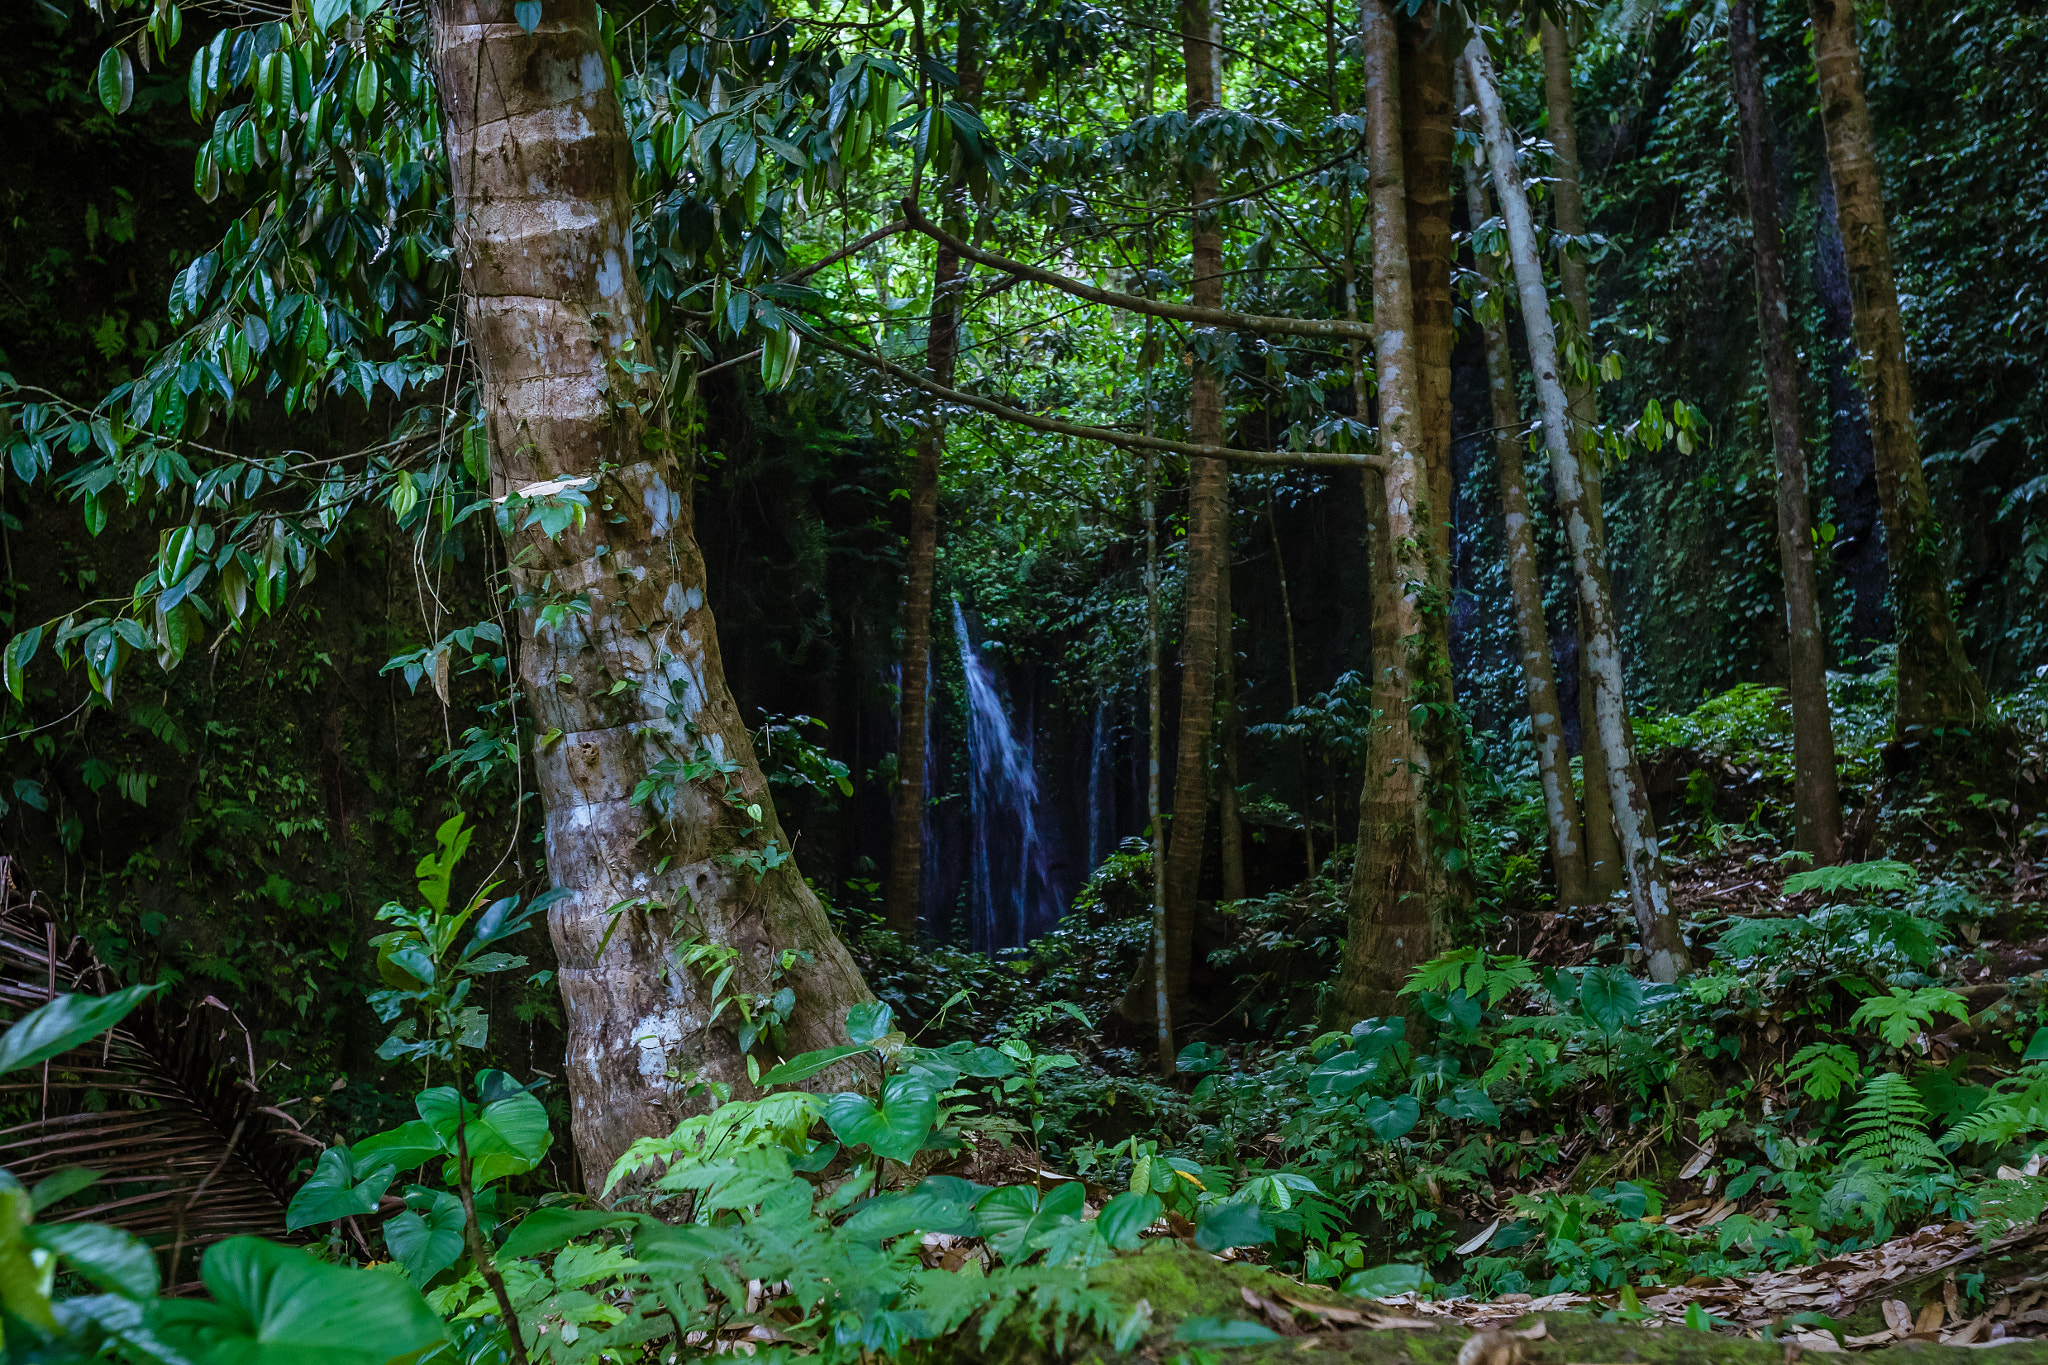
(1326, 328)
(1109, 436)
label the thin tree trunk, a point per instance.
(542, 178)
(1816, 797)
(1937, 686)
(1663, 945)
(1227, 821)
(1161, 984)
(1308, 831)
(1395, 881)
(901, 899)
(1539, 676)
(1208, 501)
(1604, 873)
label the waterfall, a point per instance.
(1012, 898)
(1101, 790)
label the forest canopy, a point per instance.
(834, 678)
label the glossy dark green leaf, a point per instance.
(897, 1128)
(64, 1023)
(276, 1305)
(1222, 1226)
(342, 1186)
(428, 1237)
(116, 1261)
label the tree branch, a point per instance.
(886, 230)
(1330, 459)
(1331, 328)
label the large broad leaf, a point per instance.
(806, 1065)
(1015, 1219)
(109, 1257)
(921, 1210)
(1223, 1226)
(342, 1186)
(506, 1136)
(870, 1022)
(404, 1148)
(276, 1305)
(1390, 1119)
(1383, 1282)
(1611, 998)
(1469, 1102)
(64, 1023)
(1125, 1216)
(897, 1129)
(546, 1230)
(428, 1237)
(1343, 1073)
(1223, 1332)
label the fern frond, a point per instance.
(1824, 1070)
(1888, 1128)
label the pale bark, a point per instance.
(1308, 801)
(542, 184)
(1937, 686)
(1816, 797)
(1539, 675)
(1604, 872)
(901, 899)
(1396, 880)
(1663, 945)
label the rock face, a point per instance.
(1180, 1286)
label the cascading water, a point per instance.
(1011, 892)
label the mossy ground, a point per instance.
(1180, 1283)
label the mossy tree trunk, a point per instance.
(542, 175)
(1937, 686)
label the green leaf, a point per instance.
(2037, 1047)
(546, 1230)
(114, 1260)
(1384, 1282)
(426, 1241)
(1390, 1119)
(507, 1136)
(921, 1210)
(1853, 878)
(1223, 1332)
(1125, 1216)
(1611, 998)
(870, 1022)
(897, 1130)
(342, 1185)
(276, 1305)
(366, 89)
(1223, 1226)
(328, 13)
(1469, 1102)
(116, 81)
(405, 1147)
(806, 1065)
(64, 1023)
(61, 1186)
(527, 12)
(1016, 1220)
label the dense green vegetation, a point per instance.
(455, 626)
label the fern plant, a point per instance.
(1824, 1070)
(1888, 1128)
(1899, 1016)
(1854, 879)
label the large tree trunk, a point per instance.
(1539, 675)
(1604, 873)
(1396, 879)
(1937, 686)
(542, 177)
(901, 900)
(1663, 946)
(1816, 798)
(1208, 511)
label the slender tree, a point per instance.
(1228, 823)
(1397, 879)
(1663, 944)
(1816, 797)
(542, 175)
(1937, 686)
(901, 907)
(1604, 873)
(1525, 583)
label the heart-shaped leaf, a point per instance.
(404, 1148)
(1016, 1220)
(527, 12)
(276, 1305)
(1469, 1102)
(341, 1186)
(64, 1023)
(1223, 1226)
(428, 1237)
(1611, 998)
(870, 1022)
(897, 1130)
(1384, 1282)
(1390, 1119)
(506, 1136)
(1125, 1216)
